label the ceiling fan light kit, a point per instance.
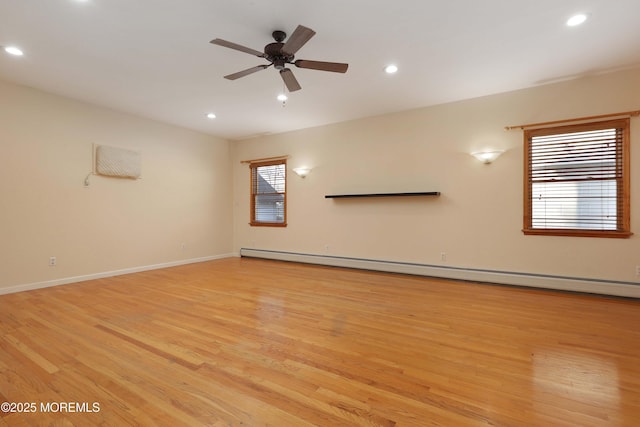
(281, 53)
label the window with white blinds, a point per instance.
(268, 193)
(577, 180)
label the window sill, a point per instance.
(578, 233)
(268, 224)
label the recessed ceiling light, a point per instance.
(391, 69)
(211, 116)
(576, 20)
(13, 51)
(282, 97)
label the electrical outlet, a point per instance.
(183, 246)
(327, 248)
(443, 256)
(638, 270)
(53, 261)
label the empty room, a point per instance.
(296, 213)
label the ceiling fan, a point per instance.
(281, 53)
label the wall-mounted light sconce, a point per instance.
(13, 50)
(302, 172)
(487, 156)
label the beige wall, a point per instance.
(477, 220)
(184, 195)
(195, 191)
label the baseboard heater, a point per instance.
(572, 284)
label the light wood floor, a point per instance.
(253, 342)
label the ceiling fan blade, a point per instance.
(246, 72)
(290, 80)
(239, 47)
(335, 67)
(300, 36)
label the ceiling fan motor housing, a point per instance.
(275, 55)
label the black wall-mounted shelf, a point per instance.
(348, 196)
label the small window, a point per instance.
(577, 180)
(268, 193)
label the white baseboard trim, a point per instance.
(572, 284)
(68, 280)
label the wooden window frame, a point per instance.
(253, 171)
(623, 213)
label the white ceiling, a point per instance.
(153, 57)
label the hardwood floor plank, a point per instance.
(34, 356)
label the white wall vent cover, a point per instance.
(114, 161)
